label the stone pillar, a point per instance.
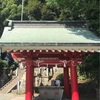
(74, 83)
(67, 91)
(29, 80)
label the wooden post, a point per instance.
(74, 83)
(29, 80)
(67, 91)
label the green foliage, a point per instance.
(7, 63)
(87, 10)
(92, 15)
(90, 67)
(11, 9)
(51, 2)
(34, 9)
(1, 24)
(3, 65)
(48, 13)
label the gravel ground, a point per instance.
(6, 96)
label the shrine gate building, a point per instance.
(51, 43)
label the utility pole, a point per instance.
(22, 10)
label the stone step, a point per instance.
(11, 84)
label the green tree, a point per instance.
(87, 10)
(1, 24)
(7, 63)
(92, 16)
(34, 9)
(51, 2)
(50, 10)
(49, 13)
(3, 66)
(11, 9)
(90, 67)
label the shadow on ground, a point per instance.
(87, 91)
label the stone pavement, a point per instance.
(18, 97)
(11, 96)
(22, 97)
(4, 96)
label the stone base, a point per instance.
(51, 93)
